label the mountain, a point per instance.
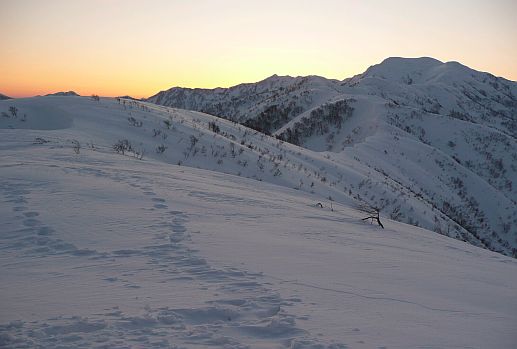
(128, 97)
(266, 105)
(68, 93)
(112, 238)
(431, 143)
(3, 97)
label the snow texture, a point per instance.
(140, 249)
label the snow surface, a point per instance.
(430, 143)
(104, 250)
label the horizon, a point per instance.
(125, 48)
(237, 84)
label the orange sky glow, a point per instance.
(137, 48)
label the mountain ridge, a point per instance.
(463, 119)
(438, 155)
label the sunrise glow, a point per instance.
(138, 48)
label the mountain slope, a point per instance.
(439, 135)
(267, 104)
(104, 249)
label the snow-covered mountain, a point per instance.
(111, 238)
(433, 143)
(266, 105)
(63, 93)
(2, 97)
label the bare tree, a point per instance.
(212, 126)
(76, 146)
(123, 146)
(372, 212)
(14, 111)
(161, 149)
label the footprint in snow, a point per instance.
(31, 222)
(19, 208)
(45, 231)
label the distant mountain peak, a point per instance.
(3, 97)
(408, 60)
(62, 93)
(397, 68)
(128, 97)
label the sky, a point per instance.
(137, 48)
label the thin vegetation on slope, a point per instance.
(429, 142)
